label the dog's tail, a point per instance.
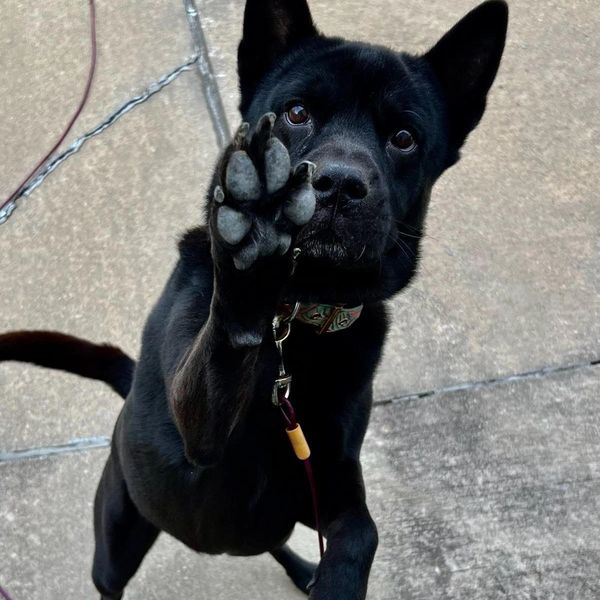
(68, 353)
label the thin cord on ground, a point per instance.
(9, 204)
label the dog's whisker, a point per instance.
(412, 227)
(406, 246)
(421, 232)
(397, 242)
(408, 235)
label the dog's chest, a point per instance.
(245, 505)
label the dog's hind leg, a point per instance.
(123, 536)
(299, 570)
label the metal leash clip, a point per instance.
(282, 325)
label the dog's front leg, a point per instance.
(351, 539)
(344, 570)
(209, 391)
(257, 204)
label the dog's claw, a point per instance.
(277, 165)
(271, 117)
(233, 225)
(219, 195)
(263, 133)
(305, 171)
(285, 241)
(241, 177)
(265, 127)
(241, 134)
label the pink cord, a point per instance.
(4, 594)
(86, 94)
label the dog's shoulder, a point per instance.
(194, 245)
(192, 279)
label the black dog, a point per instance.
(320, 202)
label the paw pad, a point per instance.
(277, 165)
(242, 179)
(300, 208)
(246, 257)
(232, 224)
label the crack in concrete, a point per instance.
(92, 443)
(491, 382)
(152, 89)
(210, 87)
(73, 446)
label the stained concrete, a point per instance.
(491, 493)
(482, 495)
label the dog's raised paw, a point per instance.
(261, 199)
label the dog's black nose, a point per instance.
(340, 182)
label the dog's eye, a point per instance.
(297, 114)
(404, 140)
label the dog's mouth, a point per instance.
(331, 247)
(347, 240)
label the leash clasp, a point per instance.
(282, 325)
(281, 389)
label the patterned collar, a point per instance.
(329, 318)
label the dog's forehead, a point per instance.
(337, 68)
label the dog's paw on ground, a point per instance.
(262, 199)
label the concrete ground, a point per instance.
(482, 460)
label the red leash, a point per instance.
(4, 594)
(301, 449)
(11, 199)
(281, 394)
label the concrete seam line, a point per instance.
(152, 89)
(71, 447)
(210, 87)
(491, 382)
(85, 444)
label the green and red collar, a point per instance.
(329, 318)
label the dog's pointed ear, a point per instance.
(271, 28)
(466, 61)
